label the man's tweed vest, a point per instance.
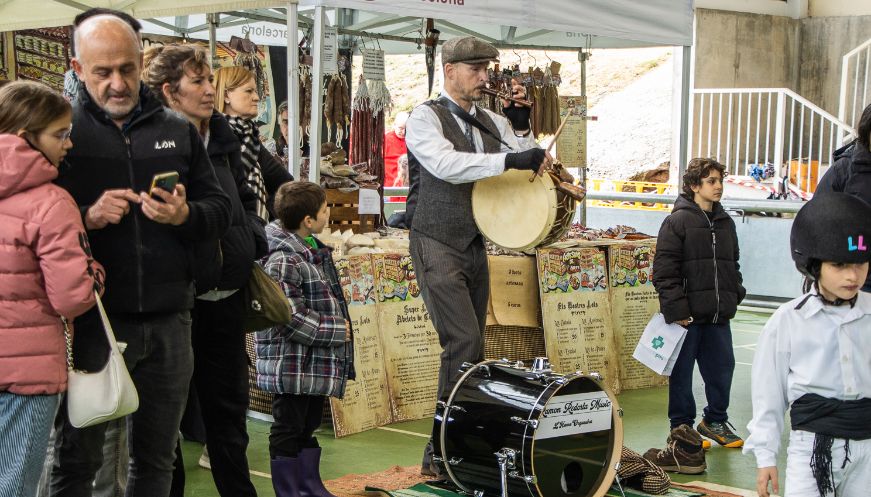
(436, 208)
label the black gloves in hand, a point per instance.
(528, 159)
(517, 116)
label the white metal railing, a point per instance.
(769, 127)
(855, 83)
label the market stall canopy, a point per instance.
(558, 23)
(523, 23)
(26, 14)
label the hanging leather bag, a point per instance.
(265, 303)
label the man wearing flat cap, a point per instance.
(447, 153)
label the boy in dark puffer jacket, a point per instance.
(697, 277)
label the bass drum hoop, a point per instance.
(616, 427)
(446, 418)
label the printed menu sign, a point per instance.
(409, 342)
(571, 146)
(633, 302)
(513, 291)
(576, 312)
(366, 403)
(373, 64)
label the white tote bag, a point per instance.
(94, 398)
(660, 345)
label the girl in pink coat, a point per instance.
(46, 272)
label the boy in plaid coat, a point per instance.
(311, 357)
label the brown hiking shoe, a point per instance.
(720, 433)
(683, 454)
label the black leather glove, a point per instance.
(528, 159)
(518, 117)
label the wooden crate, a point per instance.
(343, 212)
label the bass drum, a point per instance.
(527, 432)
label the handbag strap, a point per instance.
(69, 341)
(469, 118)
(107, 328)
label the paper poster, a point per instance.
(571, 146)
(370, 202)
(366, 402)
(409, 342)
(633, 302)
(373, 64)
(330, 56)
(576, 312)
(513, 291)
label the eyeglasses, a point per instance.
(64, 135)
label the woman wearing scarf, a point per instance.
(237, 98)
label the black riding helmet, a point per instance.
(831, 227)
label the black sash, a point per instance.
(848, 419)
(829, 419)
(469, 118)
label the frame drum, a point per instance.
(518, 215)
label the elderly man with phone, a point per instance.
(144, 238)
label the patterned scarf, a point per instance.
(248, 134)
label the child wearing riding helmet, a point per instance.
(814, 358)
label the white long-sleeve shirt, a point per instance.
(425, 139)
(819, 349)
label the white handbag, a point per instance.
(94, 398)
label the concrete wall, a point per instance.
(825, 8)
(788, 8)
(824, 41)
(742, 50)
(797, 9)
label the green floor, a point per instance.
(645, 425)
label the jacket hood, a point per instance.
(861, 156)
(844, 151)
(683, 202)
(21, 166)
(279, 239)
(222, 140)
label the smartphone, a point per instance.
(165, 181)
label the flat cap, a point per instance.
(468, 49)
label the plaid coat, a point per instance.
(308, 356)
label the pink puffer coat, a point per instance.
(45, 271)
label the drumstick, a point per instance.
(549, 147)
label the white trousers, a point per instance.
(852, 480)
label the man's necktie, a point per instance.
(470, 137)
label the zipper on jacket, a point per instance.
(137, 233)
(716, 278)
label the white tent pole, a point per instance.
(314, 142)
(681, 108)
(213, 19)
(293, 132)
